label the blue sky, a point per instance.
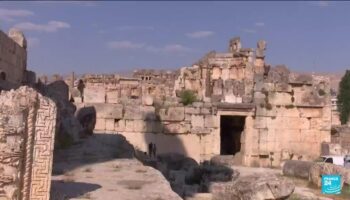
(109, 37)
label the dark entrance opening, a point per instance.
(3, 76)
(231, 128)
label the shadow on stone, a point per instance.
(94, 149)
(67, 190)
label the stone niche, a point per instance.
(27, 128)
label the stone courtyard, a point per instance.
(106, 136)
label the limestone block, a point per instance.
(210, 121)
(172, 114)
(283, 87)
(280, 98)
(77, 99)
(225, 73)
(230, 98)
(297, 168)
(112, 96)
(310, 112)
(174, 128)
(205, 111)
(100, 124)
(292, 122)
(148, 113)
(315, 123)
(156, 127)
(129, 126)
(147, 100)
(119, 125)
(110, 124)
(216, 73)
(288, 112)
(94, 95)
(188, 117)
(197, 104)
(132, 112)
(140, 126)
(266, 112)
(200, 130)
(260, 122)
(305, 123)
(108, 111)
(197, 120)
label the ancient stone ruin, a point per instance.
(225, 108)
(244, 107)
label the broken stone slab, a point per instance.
(297, 168)
(257, 187)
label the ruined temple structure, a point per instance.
(262, 115)
(13, 60)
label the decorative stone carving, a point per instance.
(27, 128)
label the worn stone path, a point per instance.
(102, 168)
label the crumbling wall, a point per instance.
(292, 119)
(27, 127)
(13, 56)
(224, 77)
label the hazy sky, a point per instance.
(118, 36)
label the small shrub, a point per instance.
(187, 97)
(321, 92)
(293, 99)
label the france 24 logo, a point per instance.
(331, 184)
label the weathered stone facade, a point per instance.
(13, 57)
(281, 115)
(27, 128)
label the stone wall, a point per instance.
(13, 56)
(176, 128)
(27, 127)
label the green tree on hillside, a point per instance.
(344, 98)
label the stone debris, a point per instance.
(297, 168)
(257, 187)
